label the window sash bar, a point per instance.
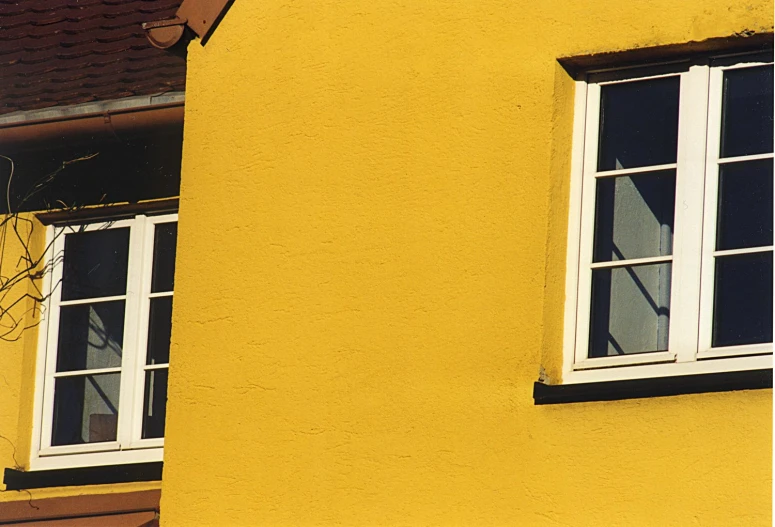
(82, 373)
(81, 301)
(101, 446)
(653, 357)
(632, 263)
(673, 65)
(740, 159)
(760, 348)
(160, 294)
(636, 170)
(748, 250)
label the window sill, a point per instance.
(69, 477)
(652, 387)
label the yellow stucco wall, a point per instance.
(371, 272)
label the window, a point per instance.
(671, 203)
(105, 343)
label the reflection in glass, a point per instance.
(159, 330)
(742, 303)
(90, 336)
(744, 205)
(638, 123)
(630, 310)
(746, 125)
(634, 216)
(164, 241)
(85, 409)
(155, 403)
(95, 264)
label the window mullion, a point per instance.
(711, 193)
(684, 304)
(131, 324)
(142, 333)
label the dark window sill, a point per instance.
(654, 387)
(68, 477)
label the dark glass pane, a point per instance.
(85, 409)
(742, 303)
(744, 205)
(634, 216)
(159, 330)
(95, 264)
(746, 126)
(164, 257)
(90, 336)
(155, 403)
(638, 123)
(630, 310)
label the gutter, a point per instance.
(118, 124)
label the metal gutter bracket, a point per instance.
(201, 16)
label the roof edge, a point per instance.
(62, 113)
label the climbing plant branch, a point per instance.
(20, 278)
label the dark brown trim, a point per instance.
(655, 387)
(27, 510)
(108, 212)
(119, 122)
(69, 477)
(744, 42)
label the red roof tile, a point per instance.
(64, 52)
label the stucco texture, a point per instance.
(371, 273)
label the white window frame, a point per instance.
(689, 351)
(129, 446)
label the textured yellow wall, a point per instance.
(371, 270)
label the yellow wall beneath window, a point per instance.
(17, 369)
(371, 273)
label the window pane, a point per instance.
(744, 205)
(742, 304)
(638, 123)
(155, 403)
(95, 264)
(90, 336)
(634, 216)
(630, 310)
(159, 330)
(747, 112)
(164, 257)
(85, 409)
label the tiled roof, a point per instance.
(64, 52)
